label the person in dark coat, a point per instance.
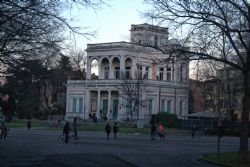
(66, 131)
(115, 129)
(153, 131)
(4, 131)
(108, 129)
(28, 124)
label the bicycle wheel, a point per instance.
(74, 139)
(61, 139)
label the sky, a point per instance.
(111, 23)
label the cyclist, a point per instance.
(66, 131)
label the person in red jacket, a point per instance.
(161, 131)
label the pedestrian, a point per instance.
(153, 131)
(161, 131)
(75, 128)
(66, 131)
(108, 129)
(193, 131)
(59, 123)
(28, 124)
(4, 131)
(115, 129)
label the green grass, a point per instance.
(88, 126)
(22, 124)
(228, 159)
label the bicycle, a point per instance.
(72, 139)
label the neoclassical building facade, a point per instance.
(165, 84)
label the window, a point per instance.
(80, 105)
(74, 104)
(127, 72)
(106, 72)
(139, 69)
(146, 73)
(161, 74)
(117, 73)
(181, 107)
(162, 106)
(168, 78)
(169, 106)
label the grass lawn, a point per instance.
(228, 159)
(88, 126)
(22, 124)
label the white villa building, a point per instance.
(165, 85)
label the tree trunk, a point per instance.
(245, 119)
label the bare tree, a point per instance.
(207, 24)
(78, 60)
(131, 89)
(34, 28)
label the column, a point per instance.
(98, 104)
(133, 69)
(100, 72)
(165, 74)
(88, 69)
(87, 105)
(173, 73)
(109, 103)
(157, 107)
(110, 71)
(120, 108)
(122, 66)
(143, 107)
(67, 100)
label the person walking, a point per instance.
(75, 128)
(4, 131)
(161, 131)
(108, 129)
(115, 129)
(28, 124)
(153, 131)
(66, 131)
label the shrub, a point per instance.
(167, 119)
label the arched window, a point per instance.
(128, 65)
(94, 69)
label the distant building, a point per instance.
(165, 85)
(196, 97)
(224, 93)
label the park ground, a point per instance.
(39, 147)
